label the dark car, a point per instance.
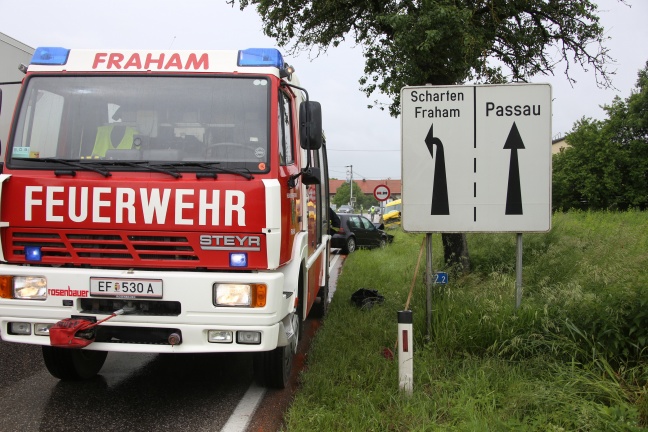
(345, 209)
(357, 231)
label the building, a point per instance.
(558, 145)
(13, 53)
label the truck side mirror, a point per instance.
(311, 176)
(310, 125)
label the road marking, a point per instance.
(240, 418)
(335, 258)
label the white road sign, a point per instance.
(476, 158)
(381, 193)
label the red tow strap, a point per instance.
(76, 332)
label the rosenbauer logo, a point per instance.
(67, 292)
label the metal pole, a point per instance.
(405, 352)
(428, 284)
(518, 271)
(351, 186)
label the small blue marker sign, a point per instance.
(441, 278)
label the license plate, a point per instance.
(126, 288)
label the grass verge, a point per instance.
(574, 356)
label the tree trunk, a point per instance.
(455, 252)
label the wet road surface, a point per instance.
(134, 392)
(140, 392)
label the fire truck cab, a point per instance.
(163, 202)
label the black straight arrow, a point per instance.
(514, 192)
(440, 186)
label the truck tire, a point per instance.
(69, 364)
(319, 309)
(272, 368)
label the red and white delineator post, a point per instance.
(405, 352)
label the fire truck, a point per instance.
(163, 202)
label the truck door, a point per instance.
(316, 208)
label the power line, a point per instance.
(356, 174)
(361, 150)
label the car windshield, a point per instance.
(179, 119)
(395, 207)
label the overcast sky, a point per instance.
(369, 140)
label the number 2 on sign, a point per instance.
(441, 278)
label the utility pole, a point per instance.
(351, 186)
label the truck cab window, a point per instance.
(222, 120)
(285, 131)
(40, 131)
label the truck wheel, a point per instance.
(272, 368)
(350, 245)
(320, 307)
(70, 364)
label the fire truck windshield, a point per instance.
(170, 119)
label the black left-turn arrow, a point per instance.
(440, 186)
(514, 192)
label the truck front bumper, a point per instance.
(200, 325)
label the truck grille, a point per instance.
(128, 249)
(136, 307)
(135, 335)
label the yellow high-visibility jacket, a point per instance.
(103, 142)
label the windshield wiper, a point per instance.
(77, 164)
(144, 164)
(215, 169)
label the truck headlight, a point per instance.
(30, 287)
(246, 295)
(220, 336)
(19, 328)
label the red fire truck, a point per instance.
(163, 202)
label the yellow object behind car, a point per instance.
(392, 215)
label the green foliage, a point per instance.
(573, 357)
(343, 196)
(443, 41)
(606, 166)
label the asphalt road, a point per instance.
(134, 392)
(139, 392)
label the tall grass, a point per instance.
(574, 356)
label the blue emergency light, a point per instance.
(260, 57)
(50, 56)
(33, 253)
(238, 259)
